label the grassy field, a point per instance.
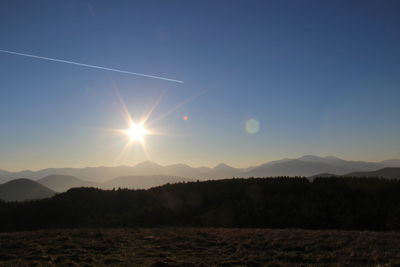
(199, 247)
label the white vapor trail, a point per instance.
(90, 66)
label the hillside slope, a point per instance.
(335, 203)
(24, 189)
(142, 182)
(388, 173)
(62, 183)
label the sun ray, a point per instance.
(153, 107)
(145, 150)
(124, 149)
(186, 101)
(138, 130)
(127, 115)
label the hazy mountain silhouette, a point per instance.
(304, 166)
(297, 168)
(323, 175)
(264, 165)
(312, 165)
(142, 182)
(6, 176)
(61, 183)
(223, 171)
(147, 168)
(344, 164)
(183, 170)
(392, 162)
(388, 173)
(24, 189)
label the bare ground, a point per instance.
(199, 247)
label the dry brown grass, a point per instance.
(199, 247)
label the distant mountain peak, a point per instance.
(20, 180)
(308, 157)
(58, 177)
(392, 162)
(332, 158)
(306, 165)
(147, 164)
(179, 165)
(326, 159)
(223, 166)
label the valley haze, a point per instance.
(308, 165)
(28, 185)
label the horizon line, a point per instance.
(199, 166)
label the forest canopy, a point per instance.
(283, 202)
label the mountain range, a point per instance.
(25, 189)
(304, 166)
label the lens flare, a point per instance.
(252, 126)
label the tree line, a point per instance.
(282, 202)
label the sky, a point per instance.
(263, 80)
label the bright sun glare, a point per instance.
(136, 132)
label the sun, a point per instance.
(137, 131)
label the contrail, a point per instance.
(91, 66)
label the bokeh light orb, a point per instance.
(252, 126)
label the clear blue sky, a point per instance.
(320, 77)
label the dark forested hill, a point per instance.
(388, 173)
(23, 189)
(340, 203)
(142, 182)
